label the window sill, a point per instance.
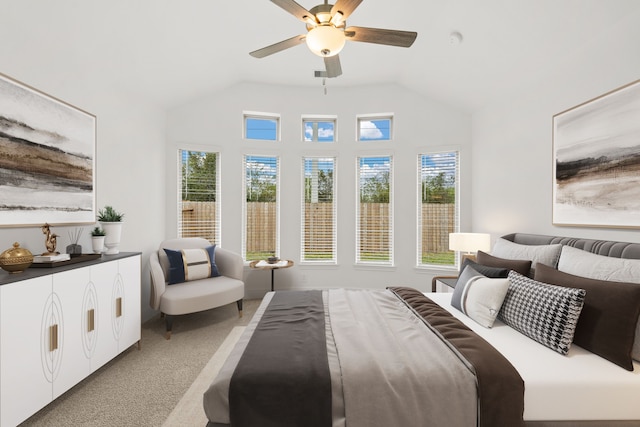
(380, 267)
(319, 265)
(436, 269)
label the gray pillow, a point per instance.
(544, 254)
(586, 264)
(485, 270)
(478, 296)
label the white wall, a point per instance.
(506, 171)
(130, 165)
(214, 123)
(512, 140)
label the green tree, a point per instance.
(439, 188)
(199, 177)
(375, 189)
(325, 186)
(261, 184)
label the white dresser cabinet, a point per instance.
(59, 325)
(24, 386)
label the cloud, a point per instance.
(374, 166)
(369, 130)
(262, 168)
(323, 132)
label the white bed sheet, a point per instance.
(578, 386)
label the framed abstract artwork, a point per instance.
(596, 161)
(47, 159)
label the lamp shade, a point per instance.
(469, 242)
(325, 40)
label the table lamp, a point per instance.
(469, 244)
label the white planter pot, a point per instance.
(98, 244)
(113, 230)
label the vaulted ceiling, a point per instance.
(170, 51)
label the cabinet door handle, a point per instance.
(91, 325)
(53, 337)
(118, 306)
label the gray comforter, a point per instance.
(388, 366)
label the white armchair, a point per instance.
(196, 295)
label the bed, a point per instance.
(401, 357)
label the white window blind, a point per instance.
(198, 207)
(261, 207)
(438, 211)
(374, 228)
(318, 210)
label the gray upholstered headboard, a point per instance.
(600, 247)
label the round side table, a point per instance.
(264, 265)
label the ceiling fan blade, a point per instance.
(277, 47)
(296, 10)
(332, 65)
(381, 36)
(346, 7)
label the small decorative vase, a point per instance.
(74, 250)
(97, 243)
(16, 259)
(113, 230)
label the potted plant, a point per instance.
(111, 222)
(97, 239)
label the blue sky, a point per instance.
(373, 130)
(325, 164)
(432, 164)
(326, 131)
(266, 129)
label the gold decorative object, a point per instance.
(50, 241)
(16, 259)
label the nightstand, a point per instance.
(449, 281)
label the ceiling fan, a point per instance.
(327, 33)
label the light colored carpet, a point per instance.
(189, 411)
(141, 387)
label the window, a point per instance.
(198, 207)
(374, 128)
(318, 210)
(319, 129)
(374, 216)
(438, 207)
(261, 126)
(261, 207)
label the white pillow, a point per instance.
(586, 264)
(544, 254)
(479, 297)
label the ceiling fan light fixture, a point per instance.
(325, 40)
(337, 19)
(310, 21)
